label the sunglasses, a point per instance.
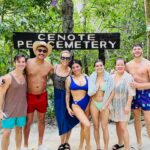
(65, 58)
(41, 50)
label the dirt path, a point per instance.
(51, 138)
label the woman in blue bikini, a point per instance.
(101, 91)
(77, 87)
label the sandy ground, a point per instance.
(51, 138)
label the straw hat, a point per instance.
(36, 44)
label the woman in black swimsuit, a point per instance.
(64, 121)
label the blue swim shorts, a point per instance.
(141, 100)
(10, 123)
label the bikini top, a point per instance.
(102, 88)
(74, 86)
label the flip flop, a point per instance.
(61, 147)
(117, 146)
(132, 148)
(66, 146)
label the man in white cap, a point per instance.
(37, 71)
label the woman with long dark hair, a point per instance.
(77, 87)
(101, 92)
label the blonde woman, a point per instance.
(64, 121)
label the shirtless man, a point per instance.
(37, 71)
(139, 68)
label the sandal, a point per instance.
(61, 147)
(66, 146)
(132, 148)
(117, 146)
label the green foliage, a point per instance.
(24, 16)
(50, 110)
(123, 16)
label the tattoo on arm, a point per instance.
(2, 81)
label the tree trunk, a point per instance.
(84, 30)
(67, 14)
(147, 15)
(101, 55)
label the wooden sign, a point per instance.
(68, 41)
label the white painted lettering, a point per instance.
(77, 44)
(112, 44)
(61, 37)
(29, 44)
(103, 44)
(86, 43)
(51, 37)
(20, 43)
(41, 37)
(81, 36)
(94, 44)
(71, 37)
(68, 45)
(91, 37)
(59, 44)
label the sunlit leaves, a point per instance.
(24, 16)
(124, 16)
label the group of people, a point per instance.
(102, 95)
